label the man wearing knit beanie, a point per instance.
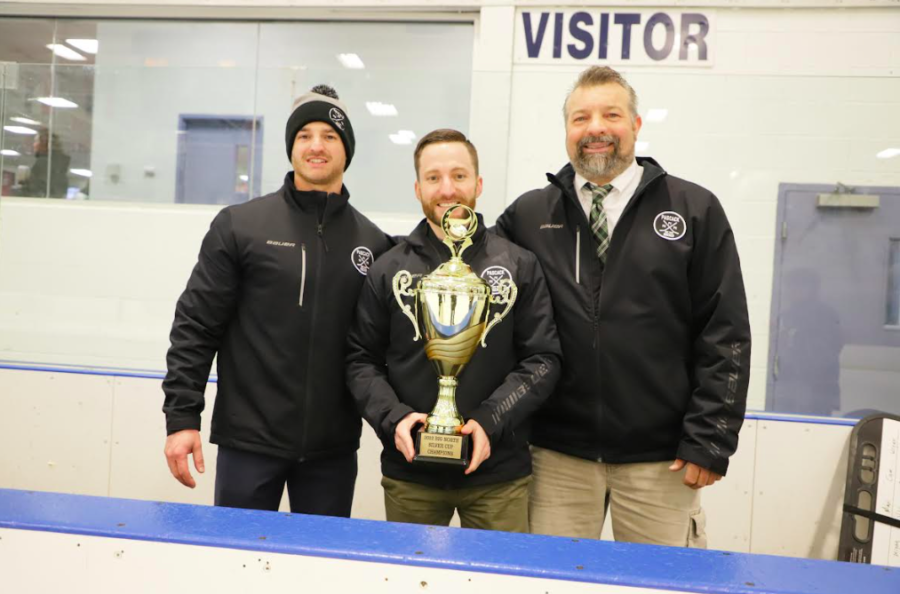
(321, 104)
(273, 293)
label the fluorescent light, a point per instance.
(81, 172)
(377, 108)
(656, 115)
(351, 61)
(398, 139)
(65, 52)
(888, 153)
(9, 153)
(57, 102)
(88, 46)
(641, 146)
(244, 177)
(19, 130)
(25, 121)
(734, 174)
(402, 137)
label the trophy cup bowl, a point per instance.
(452, 309)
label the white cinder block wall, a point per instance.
(794, 95)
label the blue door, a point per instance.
(835, 326)
(217, 159)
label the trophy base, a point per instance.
(442, 449)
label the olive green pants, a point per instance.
(502, 506)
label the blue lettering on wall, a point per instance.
(665, 20)
(604, 36)
(693, 27)
(627, 20)
(581, 35)
(698, 39)
(533, 42)
(557, 34)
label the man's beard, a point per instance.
(431, 211)
(601, 165)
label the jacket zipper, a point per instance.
(578, 256)
(321, 232)
(309, 359)
(302, 272)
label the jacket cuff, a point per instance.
(702, 458)
(485, 417)
(389, 425)
(176, 424)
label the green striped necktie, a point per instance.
(599, 226)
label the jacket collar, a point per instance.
(423, 239)
(565, 178)
(324, 204)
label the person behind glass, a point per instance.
(49, 176)
(394, 383)
(652, 316)
(272, 294)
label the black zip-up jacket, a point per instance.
(656, 347)
(390, 376)
(273, 292)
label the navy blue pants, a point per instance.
(323, 486)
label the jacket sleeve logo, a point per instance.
(362, 258)
(669, 225)
(337, 116)
(493, 275)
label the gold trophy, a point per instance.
(452, 307)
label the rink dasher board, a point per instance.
(41, 534)
(40, 562)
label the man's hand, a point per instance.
(481, 444)
(178, 446)
(695, 477)
(403, 434)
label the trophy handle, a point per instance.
(402, 282)
(507, 295)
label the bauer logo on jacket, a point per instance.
(669, 225)
(362, 258)
(493, 275)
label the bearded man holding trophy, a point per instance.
(456, 321)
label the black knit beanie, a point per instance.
(318, 106)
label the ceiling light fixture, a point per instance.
(65, 52)
(19, 130)
(888, 153)
(9, 153)
(402, 137)
(25, 121)
(379, 109)
(351, 61)
(88, 46)
(57, 102)
(81, 172)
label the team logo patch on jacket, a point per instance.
(362, 258)
(669, 225)
(493, 275)
(337, 116)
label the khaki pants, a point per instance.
(648, 502)
(503, 506)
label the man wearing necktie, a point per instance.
(651, 311)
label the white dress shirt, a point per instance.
(618, 198)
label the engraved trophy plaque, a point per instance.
(452, 310)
